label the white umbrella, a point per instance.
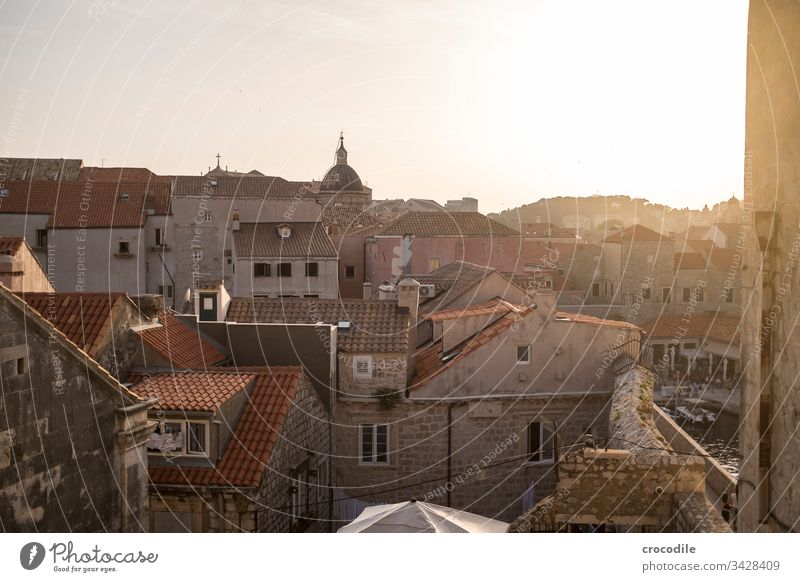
(418, 517)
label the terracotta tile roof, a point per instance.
(240, 187)
(704, 247)
(247, 454)
(308, 239)
(546, 230)
(450, 282)
(432, 224)
(714, 326)
(376, 325)
(536, 280)
(87, 204)
(140, 175)
(724, 259)
(10, 245)
(496, 306)
(177, 343)
(191, 391)
(566, 317)
(39, 168)
(349, 220)
(85, 318)
(689, 261)
(40, 324)
(636, 233)
(730, 229)
(541, 253)
(694, 233)
(430, 361)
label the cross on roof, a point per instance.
(218, 157)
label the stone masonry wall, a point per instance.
(60, 466)
(489, 471)
(305, 437)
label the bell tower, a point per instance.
(341, 153)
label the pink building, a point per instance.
(421, 242)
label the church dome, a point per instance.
(341, 177)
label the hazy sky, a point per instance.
(506, 101)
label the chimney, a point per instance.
(386, 291)
(235, 221)
(408, 299)
(367, 290)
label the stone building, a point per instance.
(768, 489)
(94, 236)
(284, 259)
(206, 209)
(421, 242)
(465, 204)
(349, 228)
(341, 185)
(370, 343)
(72, 438)
(461, 283)
(637, 274)
(54, 169)
(635, 481)
(98, 323)
(20, 270)
(696, 346)
(237, 450)
(489, 399)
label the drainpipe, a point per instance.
(448, 485)
(174, 288)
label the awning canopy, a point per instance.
(419, 517)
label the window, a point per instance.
(20, 366)
(687, 294)
(302, 478)
(728, 294)
(161, 290)
(262, 270)
(284, 269)
(197, 438)
(159, 237)
(362, 366)
(350, 272)
(541, 442)
(124, 247)
(197, 255)
(595, 289)
(208, 303)
(374, 444)
(699, 294)
(167, 438)
(523, 355)
(41, 238)
(645, 292)
(169, 291)
(312, 269)
(611, 288)
(207, 216)
(284, 231)
(179, 438)
(433, 263)
(666, 294)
